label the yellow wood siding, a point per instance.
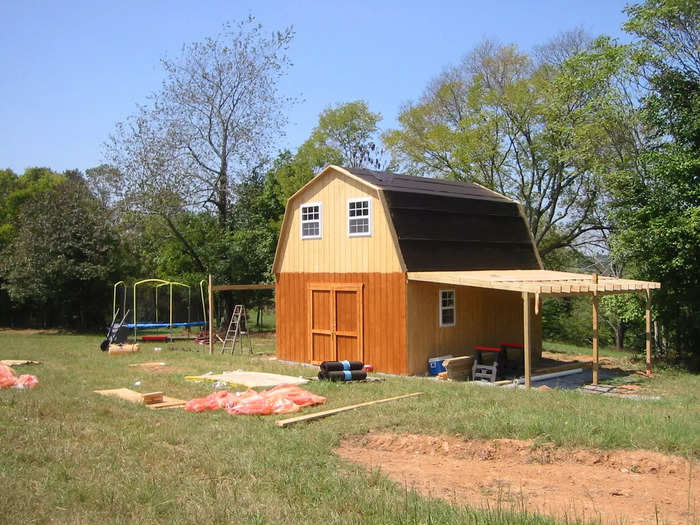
(336, 252)
(483, 317)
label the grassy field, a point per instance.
(71, 456)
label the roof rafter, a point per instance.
(543, 282)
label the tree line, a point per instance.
(598, 140)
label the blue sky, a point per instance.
(70, 70)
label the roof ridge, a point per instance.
(393, 181)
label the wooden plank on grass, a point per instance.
(123, 393)
(135, 397)
(152, 398)
(168, 402)
(18, 362)
(317, 415)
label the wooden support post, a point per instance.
(527, 339)
(595, 329)
(648, 332)
(211, 316)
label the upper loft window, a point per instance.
(447, 308)
(359, 217)
(311, 220)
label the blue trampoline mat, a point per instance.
(163, 325)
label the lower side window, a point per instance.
(447, 308)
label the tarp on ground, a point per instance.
(249, 379)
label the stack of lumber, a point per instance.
(459, 368)
(153, 400)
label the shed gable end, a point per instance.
(338, 248)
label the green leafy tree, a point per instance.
(346, 135)
(348, 131)
(647, 115)
(657, 209)
(8, 182)
(500, 118)
(63, 253)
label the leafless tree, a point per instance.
(213, 121)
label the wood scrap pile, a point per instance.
(153, 400)
(457, 368)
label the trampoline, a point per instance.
(163, 325)
(152, 308)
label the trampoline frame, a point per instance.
(157, 284)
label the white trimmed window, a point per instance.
(359, 217)
(447, 308)
(311, 220)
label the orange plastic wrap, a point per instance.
(7, 376)
(26, 381)
(9, 379)
(298, 396)
(282, 399)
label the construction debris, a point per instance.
(621, 391)
(281, 399)
(18, 362)
(249, 379)
(317, 415)
(459, 368)
(123, 349)
(153, 400)
(8, 379)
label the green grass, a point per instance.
(604, 351)
(71, 456)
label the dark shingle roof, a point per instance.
(426, 186)
(452, 226)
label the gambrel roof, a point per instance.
(444, 225)
(452, 225)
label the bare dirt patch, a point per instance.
(611, 486)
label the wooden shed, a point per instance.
(393, 269)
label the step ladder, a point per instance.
(237, 330)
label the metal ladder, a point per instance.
(237, 329)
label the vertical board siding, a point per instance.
(483, 317)
(383, 324)
(335, 251)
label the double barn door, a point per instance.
(335, 322)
